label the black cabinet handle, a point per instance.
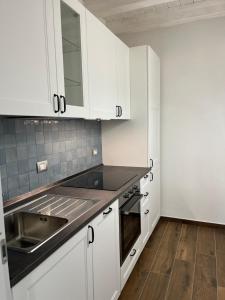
(152, 176)
(134, 252)
(56, 103)
(121, 111)
(147, 211)
(108, 211)
(146, 176)
(117, 111)
(146, 194)
(92, 234)
(152, 163)
(64, 104)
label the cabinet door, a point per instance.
(122, 79)
(70, 32)
(106, 262)
(101, 69)
(64, 275)
(145, 219)
(27, 59)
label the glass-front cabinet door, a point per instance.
(71, 57)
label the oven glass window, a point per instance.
(130, 226)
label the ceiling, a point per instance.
(125, 16)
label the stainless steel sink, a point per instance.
(33, 224)
(26, 231)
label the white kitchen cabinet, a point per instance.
(71, 57)
(78, 269)
(136, 142)
(101, 69)
(123, 80)
(106, 258)
(146, 226)
(64, 275)
(28, 70)
(5, 292)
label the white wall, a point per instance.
(192, 118)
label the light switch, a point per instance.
(94, 151)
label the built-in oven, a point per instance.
(130, 220)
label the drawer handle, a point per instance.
(147, 211)
(152, 163)
(146, 194)
(146, 176)
(108, 211)
(134, 252)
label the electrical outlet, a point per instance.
(94, 151)
(42, 166)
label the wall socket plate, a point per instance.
(42, 166)
(94, 151)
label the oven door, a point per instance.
(130, 225)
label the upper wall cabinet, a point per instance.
(101, 69)
(123, 80)
(71, 58)
(28, 69)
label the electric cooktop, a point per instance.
(108, 179)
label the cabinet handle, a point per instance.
(134, 252)
(147, 211)
(152, 163)
(117, 111)
(152, 176)
(56, 103)
(121, 111)
(108, 211)
(3, 251)
(92, 234)
(146, 176)
(146, 194)
(64, 104)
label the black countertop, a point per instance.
(21, 264)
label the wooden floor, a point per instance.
(181, 261)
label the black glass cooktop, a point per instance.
(101, 180)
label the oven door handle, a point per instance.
(126, 208)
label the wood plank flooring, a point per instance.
(181, 261)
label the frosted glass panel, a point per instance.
(72, 55)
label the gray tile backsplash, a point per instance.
(66, 144)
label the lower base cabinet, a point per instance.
(106, 259)
(86, 267)
(64, 275)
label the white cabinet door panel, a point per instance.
(64, 275)
(123, 78)
(71, 57)
(106, 262)
(27, 59)
(101, 69)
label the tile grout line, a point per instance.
(153, 261)
(216, 264)
(172, 268)
(195, 264)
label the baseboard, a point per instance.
(172, 219)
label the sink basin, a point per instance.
(26, 231)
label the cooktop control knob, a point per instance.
(130, 191)
(126, 195)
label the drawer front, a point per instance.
(130, 262)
